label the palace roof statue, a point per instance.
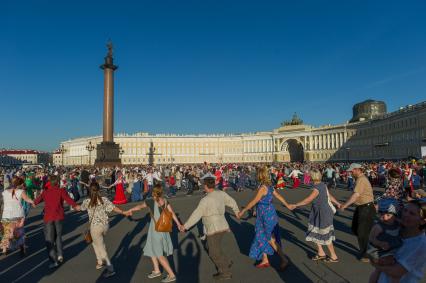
(295, 120)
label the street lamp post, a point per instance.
(347, 153)
(90, 147)
(62, 150)
(272, 148)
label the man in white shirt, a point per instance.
(150, 181)
(329, 172)
(149, 177)
(211, 210)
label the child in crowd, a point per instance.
(171, 181)
(384, 237)
(415, 180)
(351, 183)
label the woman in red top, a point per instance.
(120, 197)
(280, 180)
(171, 181)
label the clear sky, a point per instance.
(221, 66)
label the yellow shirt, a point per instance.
(364, 189)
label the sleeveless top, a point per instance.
(12, 204)
(267, 199)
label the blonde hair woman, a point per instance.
(267, 239)
(158, 244)
(320, 226)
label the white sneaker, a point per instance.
(153, 275)
(168, 279)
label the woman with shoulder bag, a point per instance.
(98, 208)
(159, 244)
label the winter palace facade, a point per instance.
(372, 134)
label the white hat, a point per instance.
(354, 166)
(208, 176)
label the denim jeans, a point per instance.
(53, 239)
(172, 190)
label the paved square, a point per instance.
(126, 237)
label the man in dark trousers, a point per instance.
(53, 198)
(364, 214)
(211, 210)
(84, 181)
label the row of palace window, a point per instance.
(401, 124)
(199, 159)
(408, 136)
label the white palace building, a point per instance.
(372, 134)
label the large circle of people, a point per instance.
(402, 182)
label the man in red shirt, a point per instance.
(53, 198)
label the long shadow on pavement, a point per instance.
(291, 273)
(126, 258)
(189, 258)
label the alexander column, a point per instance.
(108, 151)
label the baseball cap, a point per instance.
(388, 206)
(208, 176)
(354, 166)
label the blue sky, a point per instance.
(202, 66)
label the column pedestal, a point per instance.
(107, 154)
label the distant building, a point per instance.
(57, 158)
(15, 157)
(368, 110)
(372, 134)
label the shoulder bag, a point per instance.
(330, 203)
(87, 235)
(165, 221)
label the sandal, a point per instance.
(331, 260)
(263, 265)
(319, 257)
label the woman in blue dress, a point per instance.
(137, 190)
(267, 238)
(320, 226)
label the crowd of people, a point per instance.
(390, 228)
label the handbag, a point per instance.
(87, 235)
(329, 203)
(165, 221)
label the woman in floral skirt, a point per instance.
(13, 217)
(267, 239)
